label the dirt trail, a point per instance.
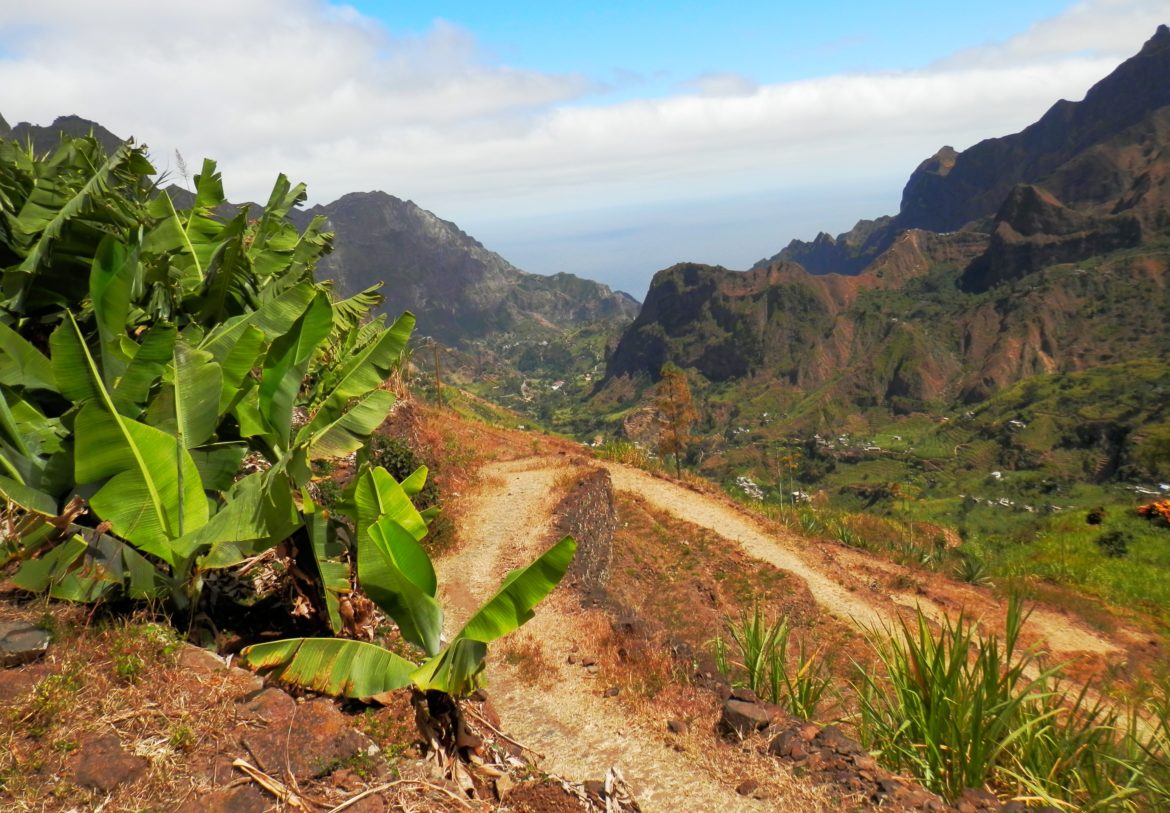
(579, 733)
(834, 581)
(507, 522)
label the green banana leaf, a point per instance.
(245, 354)
(30, 499)
(368, 367)
(219, 463)
(273, 319)
(258, 514)
(457, 668)
(285, 366)
(327, 553)
(87, 565)
(152, 492)
(111, 280)
(331, 666)
(22, 365)
(148, 360)
(327, 436)
(350, 312)
(397, 575)
(377, 494)
(55, 206)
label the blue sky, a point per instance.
(654, 47)
(605, 139)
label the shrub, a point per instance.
(1114, 544)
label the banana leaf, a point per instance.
(331, 567)
(258, 514)
(111, 280)
(327, 436)
(331, 666)
(22, 365)
(456, 669)
(273, 319)
(148, 360)
(152, 492)
(368, 367)
(397, 575)
(286, 365)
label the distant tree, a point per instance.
(676, 413)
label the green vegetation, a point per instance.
(395, 571)
(677, 414)
(800, 681)
(959, 709)
(149, 354)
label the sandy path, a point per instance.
(579, 733)
(507, 522)
(1058, 634)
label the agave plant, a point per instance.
(178, 342)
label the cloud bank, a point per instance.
(331, 97)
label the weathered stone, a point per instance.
(973, 800)
(243, 799)
(833, 738)
(310, 740)
(612, 691)
(270, 704)
(747, 787)
(21, 642)
(102, 764)
(199, 661)
(677, 726)
(743, 718)
(788, 745)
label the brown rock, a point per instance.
(21, 642)
(808, 731)
(789, 745)
(310, 739)
(270, 704)
(612, 691)
(677, 726)
(834, 739)
(747, 787)
(742, 718)
(102, 764)
(243, 799)
(746, 695)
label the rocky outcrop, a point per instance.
(951, 189)
(456, 287)
(1034, 230)
(45, 139)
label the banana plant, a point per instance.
(396, 573)
(183, 340)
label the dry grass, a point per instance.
(526, 655)
(122, 675)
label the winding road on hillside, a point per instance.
(506, 521)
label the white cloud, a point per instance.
(330, 97)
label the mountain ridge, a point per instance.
(458, 289)
(1059, 274)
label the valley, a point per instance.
(879, 522)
